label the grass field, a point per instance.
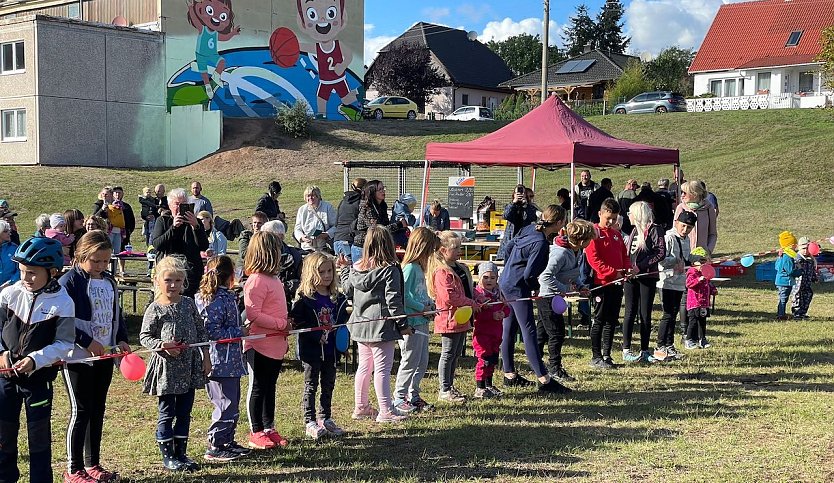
(755, 407)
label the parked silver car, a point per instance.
(658, 101)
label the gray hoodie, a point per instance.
(375, 293)
(562, 269)
(677, 249)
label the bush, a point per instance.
(295, 120)
(631, 83)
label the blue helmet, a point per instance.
(40, 252)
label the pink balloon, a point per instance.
(558, 304)
(132, 367)
(831, 240)
(814, 249)
(708, 271)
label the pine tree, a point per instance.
(609, 35)
(581, 31)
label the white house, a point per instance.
(762, 54)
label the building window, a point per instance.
(763, 83)
(12, 60)
(13, 125)
(715, 88)
(793, 39)
(729, 88)
(464, 99)
(483, 101)
(73, 10)
(806, 82)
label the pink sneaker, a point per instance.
(390, 417)
(276, 438)
(101, 475)
(260, 440)
(367, 412)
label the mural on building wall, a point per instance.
(260, 70)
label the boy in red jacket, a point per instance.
(489, 327)
(608, 257)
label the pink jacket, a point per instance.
(66, 240)
(490, 320)
(449, 294)
(266, 310)
(699, 290)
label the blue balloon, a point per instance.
(747, 260)
(558, 304)
(342, 339)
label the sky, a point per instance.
(651, 24)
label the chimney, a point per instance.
(587, 49)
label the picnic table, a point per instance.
(480, 246)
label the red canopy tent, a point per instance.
(550, 136)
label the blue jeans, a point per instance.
(174, 406)
(355, 253)
(783, 292)
(342, 248)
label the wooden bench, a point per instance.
(134, 290)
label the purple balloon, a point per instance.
(558, 304)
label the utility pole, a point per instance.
(545, 40)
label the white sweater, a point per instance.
(308, 220)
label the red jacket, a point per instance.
(490, 320)
(449, 293)
(607, 254)
(700, 289)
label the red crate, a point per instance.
(729, 270)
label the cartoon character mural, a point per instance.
(259, 75)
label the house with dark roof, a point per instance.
(582, 77)
(764, 48)
(474, 72)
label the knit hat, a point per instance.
(56, 220)
(485, 267)
(803, 242)
(409, 200)
(699, 253)
(787, 239)
(688, 217)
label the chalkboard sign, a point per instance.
(461, 201)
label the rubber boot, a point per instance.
(169, 458)
(181, 453)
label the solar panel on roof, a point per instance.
(568, 66)
(583, 65)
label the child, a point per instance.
(38, 321)
(174, 373)
(376, 285)
(672, 283)
(218, 307)
(450, 284)
(57, 231)
(319, 303)
(414, 349)
(99, 325)
(697, 301)
(786, 272)
(802, 292)
(486, 339)
(608, 258)
(403, 209)
(559, 277)
(266, 313)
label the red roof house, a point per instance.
(763, 47)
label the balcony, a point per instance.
(764, 101)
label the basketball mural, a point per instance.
(248, 58)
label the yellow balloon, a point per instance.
(463, 314)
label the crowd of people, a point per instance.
(60, 303)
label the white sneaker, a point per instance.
(314, 431)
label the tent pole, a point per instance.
(426, 169)
(533, 179)
(572, 189)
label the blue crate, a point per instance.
(766, 272)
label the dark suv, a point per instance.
(658, 101)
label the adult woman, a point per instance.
(217, 240)
(180, 233)
(527, 256)
(74, 226)
(693, 198)
(9, 273)
(315, 222)
(95, 223)
(646, 247)
(372, 211)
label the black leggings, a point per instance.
(260, 399)
(550, 330)
(521, 317)
(671, 301)
(639, 298)
(87, 387)
(607, 302)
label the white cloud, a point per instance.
(369, 27)
(473, 13)
(373, 44)
(435, 14)
(656, 24)
(504, 29)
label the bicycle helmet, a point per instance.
(40, 252)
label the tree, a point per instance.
(609, 32)
(406, 70)
(631, 83)
(826, 56)
(580, 31)
(523, 53)
(668, 71)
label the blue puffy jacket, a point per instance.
(9, 272)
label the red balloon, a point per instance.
(814, 249)
(132, 367)
(708, 271)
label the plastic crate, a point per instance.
(729, 270)
(766, 272)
